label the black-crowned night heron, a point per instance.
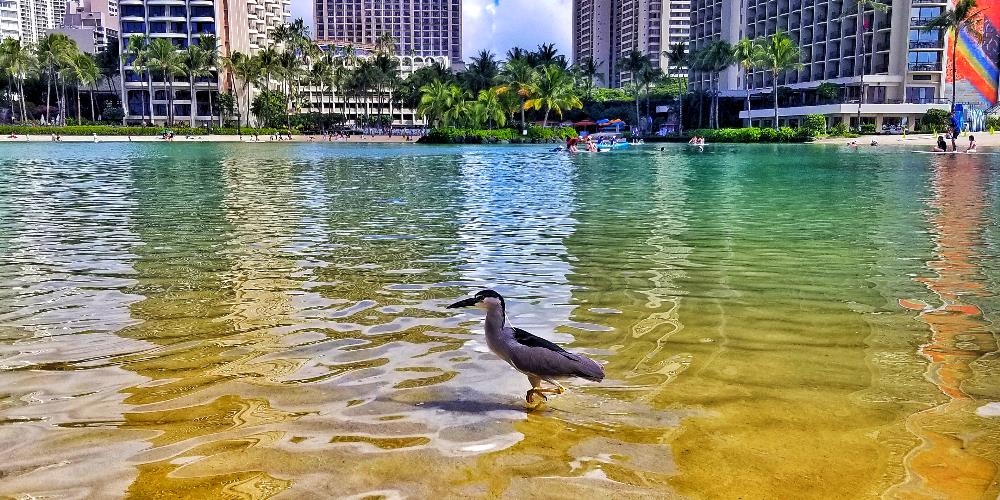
(531, 355)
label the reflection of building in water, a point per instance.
(955, 459)
(184, 270)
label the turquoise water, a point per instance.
(216, 320)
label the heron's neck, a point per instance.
(495, 319)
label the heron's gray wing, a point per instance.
(537, 356)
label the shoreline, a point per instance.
(920, 141)
(246, 138)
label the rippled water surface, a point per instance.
(249, 321)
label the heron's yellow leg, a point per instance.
(536, 390)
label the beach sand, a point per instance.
(917, 142)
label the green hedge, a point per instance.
(122, 131)
(452, 135)
(753, 134)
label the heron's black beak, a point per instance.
(465, 303)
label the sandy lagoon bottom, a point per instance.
(219, 320)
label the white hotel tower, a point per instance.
(239, 25)
(903, 66)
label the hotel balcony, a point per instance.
(919, 67)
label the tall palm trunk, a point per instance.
(545, 121)
(10, 95)
(194, 99)
(636, 106)
(93, 117)
(774, 78)
(680, 114)
(522, 115)
(24, 111)
(48, 97)
(954, 71)
(211, 109)
(79, 119)
(749, 119)
(63, 103)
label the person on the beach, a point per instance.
(942, 146)
(972, 144)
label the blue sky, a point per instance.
(498, 25)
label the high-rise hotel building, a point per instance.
(904, 66)
(36, 18)
(427, 28)
(608, 30)
(237, 25)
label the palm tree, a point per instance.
(196, 64)
(517, 53)
(320, 74)
(339, 80)
(553, 91)
(779, 54)
(160, 55)
(247, 69)
(714, 59)
(492, 108)
(748, 54)
(385, 44)
(646, 78)
(589, 70)
(441, 102)
(633, 63)
(546, 54)
(136, 50)
(677, 57)
(482, 72)
(860, 52)
(267, 61)
(520, 77)
(55, 53)
(17, 60)
(211, 45)
(965, 16)
(85, 72)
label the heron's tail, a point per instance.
(589, 369)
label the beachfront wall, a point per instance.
(907, 115)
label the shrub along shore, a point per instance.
(452, 135)
(114, 130)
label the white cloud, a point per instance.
(498, 25)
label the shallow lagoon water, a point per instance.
(254, 321)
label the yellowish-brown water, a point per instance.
(256, 321)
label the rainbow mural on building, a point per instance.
(978, 76)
